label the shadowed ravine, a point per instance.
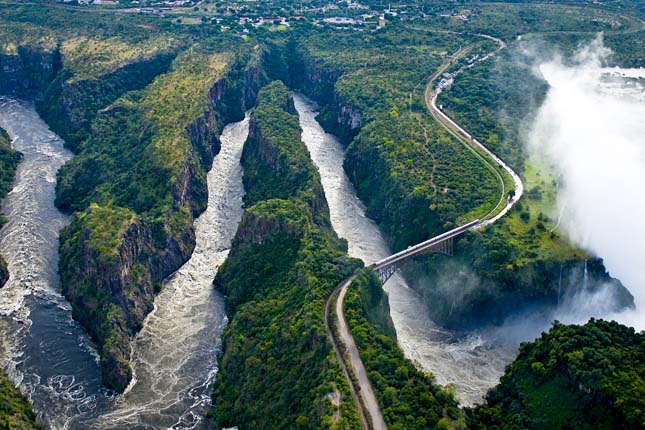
(473, 364)
(50, 356)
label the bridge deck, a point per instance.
(423, 246)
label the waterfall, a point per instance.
(560, 285)
(585, 277)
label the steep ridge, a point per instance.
(132, 225)
(278, 368)
(69, 105)
(172, 355)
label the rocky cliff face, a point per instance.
(28, 71)
(69, 106)
(290, 169)
(462, 296)
(108, 274)
(296, 67)
(337, 116)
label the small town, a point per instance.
(244, 17)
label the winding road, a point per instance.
(337, 328)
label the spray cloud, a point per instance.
(592, 127)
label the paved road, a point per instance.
(368, 399)
(338, 348)
(366, 392)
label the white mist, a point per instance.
(592, 127)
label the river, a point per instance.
(41, 347)
(49, 355)
(472, 363)
(173, 356)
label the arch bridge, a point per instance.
(442, 244)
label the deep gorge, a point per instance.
(150, 235)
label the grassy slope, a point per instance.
(495, 100)
(79, 62)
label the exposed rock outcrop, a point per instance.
(28, 70)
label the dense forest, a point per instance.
(409, 398)
(571, 377)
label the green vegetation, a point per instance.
(88, 58)
(408, 397)
(281, 168)
(279, 370)
(494, 100)
(572, 377)
(142, 105)
(523, 256)
(135, 188)
(142, 101)
(415, 178)
(15, 410)
(509, 20)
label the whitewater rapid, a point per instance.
(49, 355)
(41, 347)
(472, 363)
(173, 356)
